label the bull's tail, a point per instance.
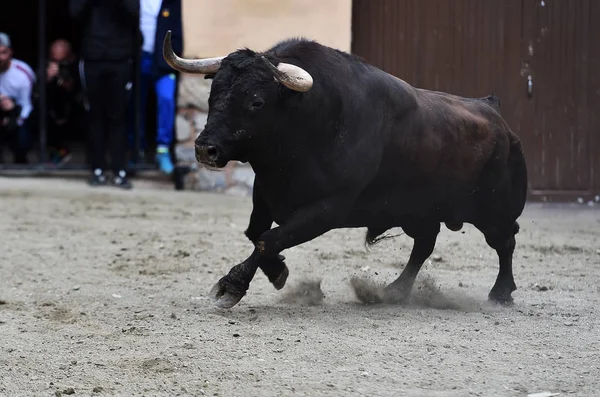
(375, 236)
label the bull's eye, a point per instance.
(257, 103)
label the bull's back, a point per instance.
(449, 139)
(436, 158)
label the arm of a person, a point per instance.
(13, 118)
(24, 100)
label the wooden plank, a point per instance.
(559, 52)
(593, 91)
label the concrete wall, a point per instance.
(218, 27)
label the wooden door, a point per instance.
(562, 77)
(538, 56)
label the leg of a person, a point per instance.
(53, 133)
(23, 145)
(3, 140)
(10, 136)
(120, 85)
(54, 139)
(57, 139)
(63, 153)
(60, 122)
(165, 96)
(145, 79)
(52, 100)
(62, 126)
(96, 92)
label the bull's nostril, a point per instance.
(211, 151)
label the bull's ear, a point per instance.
(209, 77)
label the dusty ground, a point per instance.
(103, 289)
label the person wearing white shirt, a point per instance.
(16, 85)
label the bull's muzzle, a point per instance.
(207, 154)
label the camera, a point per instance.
(63, 71)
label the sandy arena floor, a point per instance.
(103, 292)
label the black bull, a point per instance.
(356, 147)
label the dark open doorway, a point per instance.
(22, 21)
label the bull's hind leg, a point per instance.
(424, 235)
(503, 241)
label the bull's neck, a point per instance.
(271, 164)
(278, 156)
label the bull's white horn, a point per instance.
(292, 76)
(203, 66)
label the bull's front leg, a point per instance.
(304, 225)
(261, 221)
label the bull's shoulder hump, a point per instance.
(453, 108)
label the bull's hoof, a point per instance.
(396, 294)
(501, 299)
(279, 282)
(226, 294)
(501, 293)
(276, 271)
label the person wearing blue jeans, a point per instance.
(156, 18)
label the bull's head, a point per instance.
(243, 99)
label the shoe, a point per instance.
(120, 180)
(163, 159)
(98, 178)
(59, 157)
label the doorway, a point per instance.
(20, 20)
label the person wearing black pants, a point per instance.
(109, 45)
(108, 91)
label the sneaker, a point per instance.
(98, 178)
(59, 157)
(163, 159)
(120, 180)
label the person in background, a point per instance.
(156, 18)
(63, 86)
(16, 85)
(110, 42)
